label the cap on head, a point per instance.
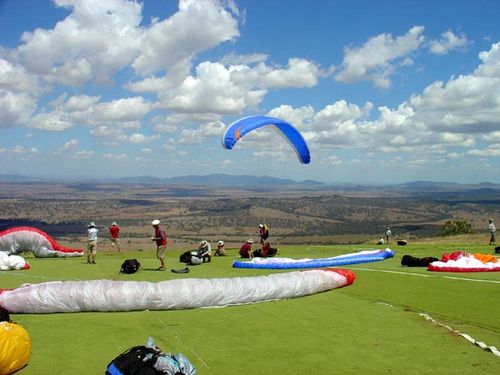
(92, 225)
(261, 225)
(155, 222)
(220, 243)
(490, 220)
(114, 223)
(203, 243)
(250, 241)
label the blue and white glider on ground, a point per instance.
(340, 260)
(245, 125)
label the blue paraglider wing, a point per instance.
(239, 128)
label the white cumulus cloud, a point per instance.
(375, 60)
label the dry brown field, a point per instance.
(193, 213)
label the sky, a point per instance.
(382, 91)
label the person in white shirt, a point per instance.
(92, 243)
(493, 235)
(388, 235)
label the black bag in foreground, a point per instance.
(138, 360)
(130, 266)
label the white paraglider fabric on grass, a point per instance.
(12, 262)
(17, 240)
(465, 262)
(108, 295)
(340, 260)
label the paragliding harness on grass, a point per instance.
(130, 266)
(145, 360)
(136, 360)
(4, 315)
(191, 257)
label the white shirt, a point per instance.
(492, 228)
(93, 234)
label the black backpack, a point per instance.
(4, 315)
(130, 266)
(139, 360)
(185, 257)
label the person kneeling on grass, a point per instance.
(205, 251)
(221, 251)
(246, 249)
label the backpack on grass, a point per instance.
(139, 360)
(130, 266)
(146, 360)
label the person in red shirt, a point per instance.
(114, 230)
(160, 238)
(246, 249)
(263, 233)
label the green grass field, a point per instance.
(371, 327)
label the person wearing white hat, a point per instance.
(220, 252)
(246, 249)
(114, 231)
(92, 233)
(263, 233)
(160, 237)
(205, 251)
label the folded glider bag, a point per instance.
(15, 347)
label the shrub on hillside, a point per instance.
(451, 228)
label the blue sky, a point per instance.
(383, 91)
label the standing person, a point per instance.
(493, 230)
(160, 238)
(92, 233)
(388, 235)
(263, 233)
(221, 251)
(114, 230)
(205, 251)
(246, 249)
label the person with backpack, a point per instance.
(160, 237)
(263, 233)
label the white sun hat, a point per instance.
(155, 222)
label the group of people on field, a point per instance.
(265, 249)
(203, 253)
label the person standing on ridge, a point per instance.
(388, 235)
(263, 233)
(160, 237)
(493, 230)
(114, 231)
(92, 233)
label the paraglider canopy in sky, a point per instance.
(245, 125)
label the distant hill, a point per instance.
(193, 180)
(483, 189)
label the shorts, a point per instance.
(160, 251)
(115, 241)
(92, 247)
